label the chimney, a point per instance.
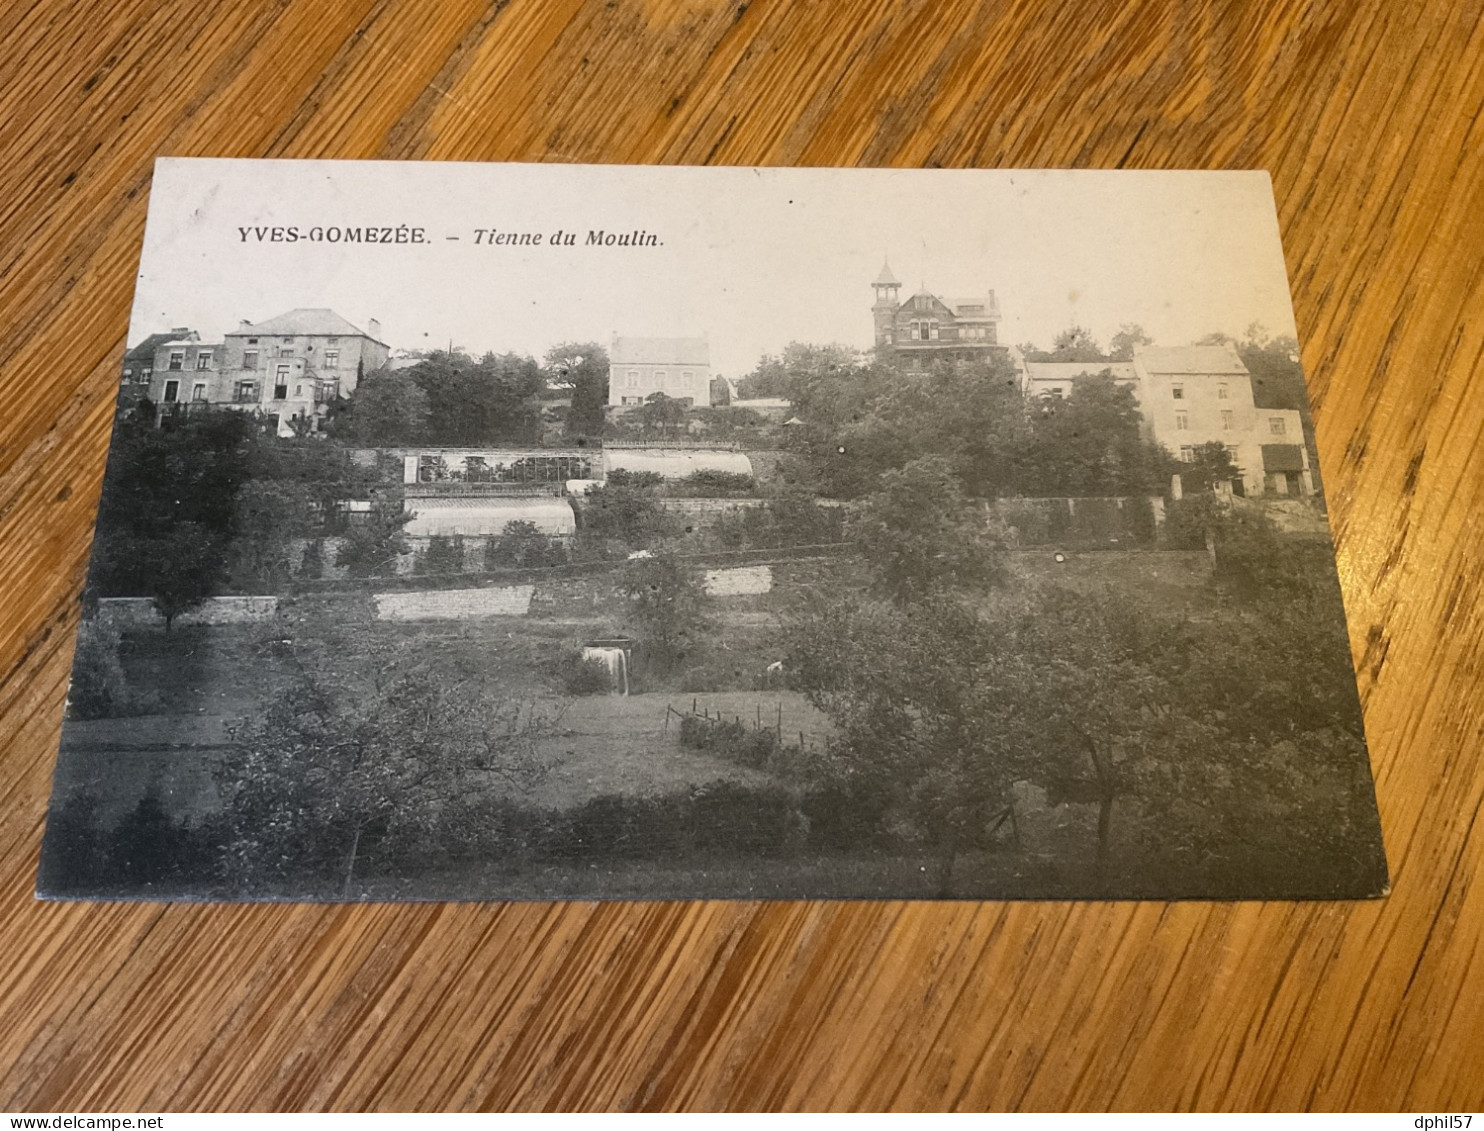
(243, 325)
(373, 328)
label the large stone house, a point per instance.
(678, 367)
(286, 367)
(1194, 395)
(930, 327)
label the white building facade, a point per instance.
(678, 367)
(1190, 396)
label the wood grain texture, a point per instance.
(1368, 115)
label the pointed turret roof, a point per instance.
(886, 278)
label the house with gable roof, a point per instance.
(285, 367)
(930, 327)
(678, 367)
(1190, 396)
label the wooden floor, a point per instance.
(1368, 114)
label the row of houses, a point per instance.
(289, 368)
(1188, 396)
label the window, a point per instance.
(298, 390)
(172, 391)
(1277, 426)
(922, 302)
(332, 341)
(288, 341)
(659, 378)
(1057, 392)
(246, 392)
(332, 359)
(250, 359)
(128, 373)
(1178, 392)
(1221, 392)
(1226, 419)
(252, 341)
(933, 329)
(1187, 453)
(1231, 450)
(633, 378)
(198, 393)
(203, 361)
(281, 383)
(177, 359)
(285, 351)
(1182, 421)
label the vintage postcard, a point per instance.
(546, 532)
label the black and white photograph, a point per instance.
(477, 532)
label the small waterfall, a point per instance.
(616, 660)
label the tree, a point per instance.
(388, 408)
(584, 366)
(521, 545)
(489, 401)
(667, 605)
(1210, 464)
(169, 508)
(921, 535)
(660, 412)
(1076, 343)
(1091, 444)
(630, 514)
(365, 750)
(371, 548)
(1130, 337)
(189, 569)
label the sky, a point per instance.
(752, 259)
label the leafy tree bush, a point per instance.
(920, 535)
(667, 607)
(98, 690)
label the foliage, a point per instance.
(1224, 741)
(921, 536)
(366, 748)
(444, 556)
(1130, 337)
(667, 606)
(168, 510)
(660, 412)
(370, 548)
(521, 545)
(1210, 464)
(583, 365)
(488, 401)
(388, 408)
(622, 477)
(630, 514)
(588, 676)
(97, 690)
(312, 564)
(1090, 444)
(710, 483)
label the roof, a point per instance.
(660, 351)
(988, 302)
(886, 278)
(145, 350)
(1070, 370)
(303, 321)
(1193, 360)
(1282, 457)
